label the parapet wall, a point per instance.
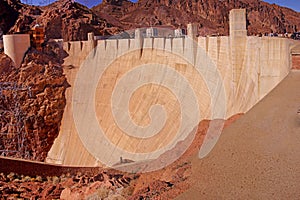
(248, 72)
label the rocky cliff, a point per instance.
(32, 101)
(62, 19)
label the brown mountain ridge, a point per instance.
(61, 19)
(211, 15)
(72, 21)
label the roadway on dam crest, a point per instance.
(258, 156)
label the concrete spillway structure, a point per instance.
(15, 47)
(117, 84)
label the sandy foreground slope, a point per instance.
(258, 156)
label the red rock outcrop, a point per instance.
(66, 186)
(72, 21)
(32, 104)
(62, 19)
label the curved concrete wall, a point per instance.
(15, 47)
(262, 64)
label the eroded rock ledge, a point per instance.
(32, 102)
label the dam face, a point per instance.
(137, 98)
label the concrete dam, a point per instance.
(136, 99)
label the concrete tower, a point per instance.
(237, 23)
(192, 31)
(92, 41)
(138, 38)
(91, 36)
(238, 40)
(15, 46)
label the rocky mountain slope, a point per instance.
(211, 15)
(62, 19)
